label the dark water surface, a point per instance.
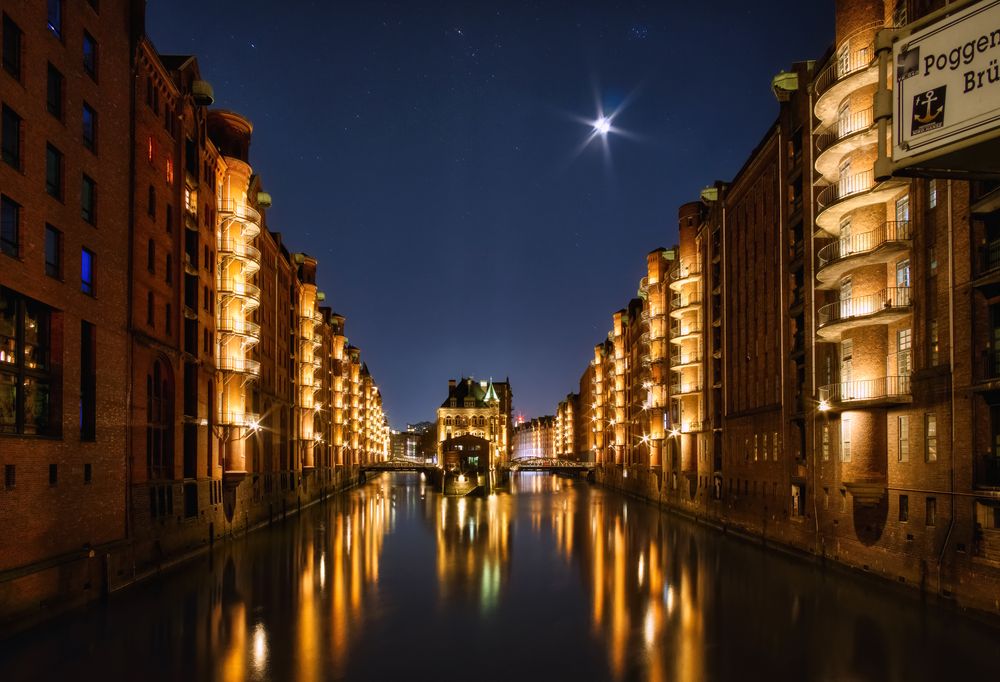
(557, 580)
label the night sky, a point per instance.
(429, 156)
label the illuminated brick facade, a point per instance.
(168, 374)
(831, 343)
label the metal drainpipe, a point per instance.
(951, 362)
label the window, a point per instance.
(930, 437)
(88, 381)
(903, 438)
(845, 440)
(89, 127)
(9, 476)
(931, 511)
(168, 319)
(11, 47)
(170, 171)
(826, 442)
(10, 144)
(151, 256)
(169, 269)
(204, 298)
(150, 310)
(87, 271)
(88, 200)
(935, 344)
(903, 208)
(903, 273)
(10, 227)
(151, 202)
(90, 55)
(904, 508)
(87, 474)
(54, 92)
(932, 194)
(169, 210)
(53, 172)
(150, 148)
(53, 474)
(53, 252)
(903, 341)
(26, 400)
(55, 9)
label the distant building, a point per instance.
(535, 438)
(479, 408)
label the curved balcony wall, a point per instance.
(248, 217)
(239, 365)
(849, 193)
(853, 66)
(850, 133)
(881, 245)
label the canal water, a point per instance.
(555, 580)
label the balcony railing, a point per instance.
(685, 330)
(644, 284)
(685, 388)
(881, 388)
(893, 231)
(846, 187)
(988, 260)
(845, 127)
(864, 306)
(988, 367)
(680, 359)
(859, 55)
(239, 365)
(679, 301)
(987, 471)
(238, 325)
(239, 419)
(689, 268)
(234, 287)
(239, 249)
(247, 216)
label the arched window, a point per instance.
(447, 421)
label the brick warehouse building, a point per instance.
(168, 373)
(821, 346)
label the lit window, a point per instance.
(930, 437)
(903, 438)
(932, 194)
(25, 372)
(826, 442)
(170, 171)
(845, 440)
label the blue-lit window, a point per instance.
(55, 16)
(90, 55)
(87, 271)
(89, 127)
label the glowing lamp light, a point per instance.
(253, 425)
(824, 405)
(602, 125)
(674, 433)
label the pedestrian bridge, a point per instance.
(398, 465)
(550, 464)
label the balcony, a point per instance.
(685, 273)
(249, 218)
(881, 245)
(643, 285)
(681, 305)
(680, 361)
(849, 193)
(246, 419)
(853, 67)
(685, 333)
(987, 369)
(238, 326)
(851, 132)
(987, 471)
(239, 365)
(248, 293)
(988, 262)
(685, 388)
(888, 305)
(866, 392)
(241, 251)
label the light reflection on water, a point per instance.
(554, 580)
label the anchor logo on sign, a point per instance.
(928, 110)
